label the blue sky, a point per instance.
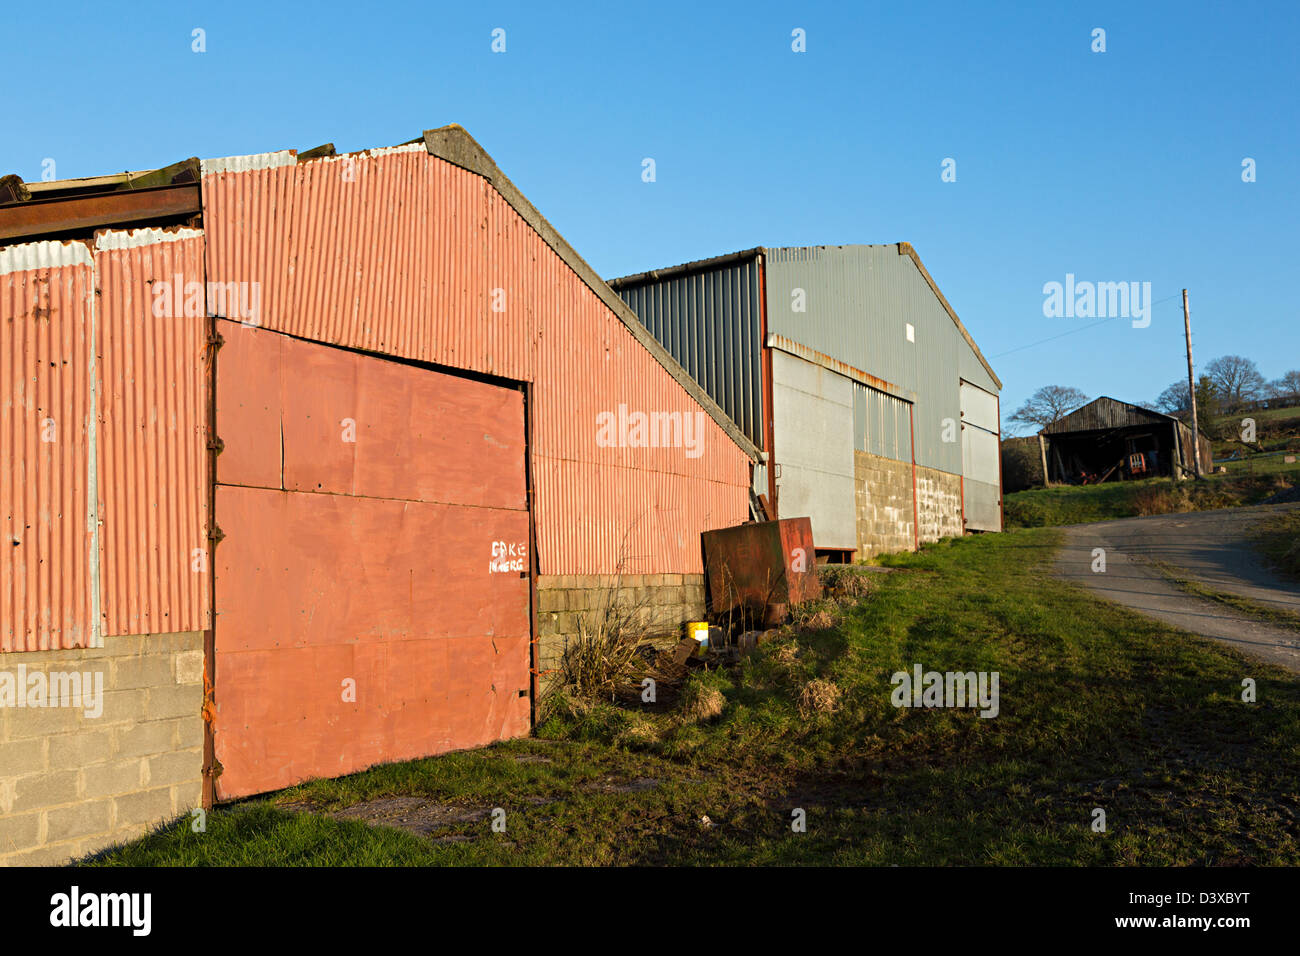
(1115, 166)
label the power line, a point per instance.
(1021, 348)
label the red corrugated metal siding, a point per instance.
(45, 361)
(371, 565)
(252, 213)
(152, 438)
(404, 259)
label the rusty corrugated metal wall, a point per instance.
(151, 438)
(102, 464)
(399, 252)
(46, 357)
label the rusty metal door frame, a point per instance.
(210, 769)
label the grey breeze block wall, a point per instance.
(938, 502)
(883, 499)
(883, 489)
(663, 603)
(71, 783)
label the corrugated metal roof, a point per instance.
(1105, 412)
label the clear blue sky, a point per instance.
(1115, 166)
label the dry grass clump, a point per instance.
(786, 653)
(845, 582)
(818, 697)
(821, 620)
(700, 702)
(603, 657)
(640, 732)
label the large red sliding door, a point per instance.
(372, 591)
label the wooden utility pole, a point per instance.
(1191, 389)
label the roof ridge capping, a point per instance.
(906, 249)
(454, 144)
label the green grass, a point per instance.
(1078, 504)
(1278, 537)
(1276, 430)
(1261, 415)
(1099, 708)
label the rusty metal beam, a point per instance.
(38, 218)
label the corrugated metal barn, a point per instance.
(877, 414)
(310, 460)
(1110, 440)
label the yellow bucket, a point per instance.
(698, 631)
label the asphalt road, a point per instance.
(1210, 547)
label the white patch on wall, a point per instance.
(135, 238)
(244, 164)
(911, 332)
(43, 255)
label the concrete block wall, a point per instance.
(938, 502)
(662, 602)
(883, 504)
(72, 783)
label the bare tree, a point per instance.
(1236, 380)
(1175, 399)
(1287, 388)
(1049, 404)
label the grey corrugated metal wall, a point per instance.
(813, 422)
(711, 323)
(858, 302)
(880, 423)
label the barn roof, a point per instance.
(1103, 413)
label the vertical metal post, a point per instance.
(1191, 388)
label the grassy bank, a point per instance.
(1279, 539)
(1077, 504)
(1098, 708)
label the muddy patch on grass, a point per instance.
(418, 815)
(615, 785)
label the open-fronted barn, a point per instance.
(877, 413)
(309, 462)
(1110, 440)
